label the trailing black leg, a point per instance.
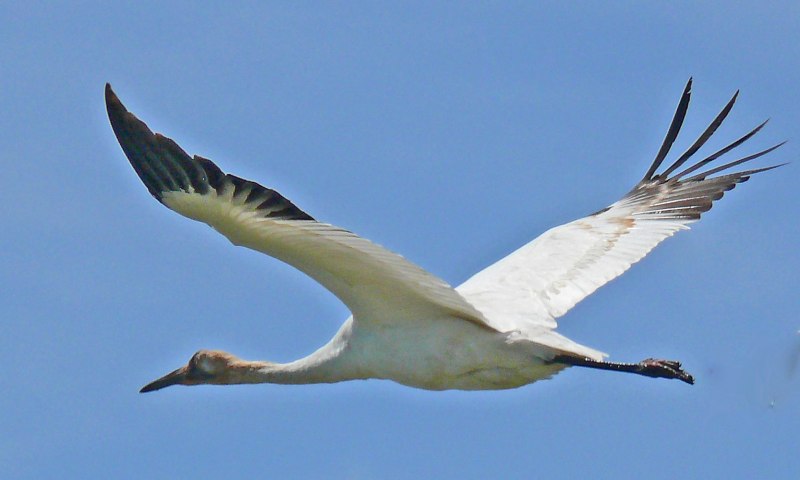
(650, 367)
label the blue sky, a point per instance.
(449, 132)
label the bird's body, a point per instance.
(440, 353)
(495, 331)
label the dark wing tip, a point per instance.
(706, 174)
(677, 121)
(139, 145)
(112, 101)
(163, 166)
(666, 196)
(114, 106)
(703, 138)
(672, 132)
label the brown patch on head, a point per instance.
(205, 366)
(210, 363)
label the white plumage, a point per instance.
(495, 331)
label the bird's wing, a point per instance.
(376, 284)
(531, 287)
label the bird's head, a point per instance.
(205, 366)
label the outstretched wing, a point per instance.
(531, 287)
(375, 284)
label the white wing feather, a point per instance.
(375, 284)
(533, 286)
(545, 278)
(368, 278)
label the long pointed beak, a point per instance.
(175, 377)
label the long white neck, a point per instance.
(329, 364)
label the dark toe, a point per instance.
(666, 369)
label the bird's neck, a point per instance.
(329, 364)
(298, 372)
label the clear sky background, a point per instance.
(451, 133)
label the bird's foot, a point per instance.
(657, 368)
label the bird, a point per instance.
(495, 331)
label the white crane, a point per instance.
(495, 331)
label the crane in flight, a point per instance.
(495, 331)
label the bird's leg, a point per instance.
(650, 367)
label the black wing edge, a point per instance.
(686, 198)
(163, 166)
